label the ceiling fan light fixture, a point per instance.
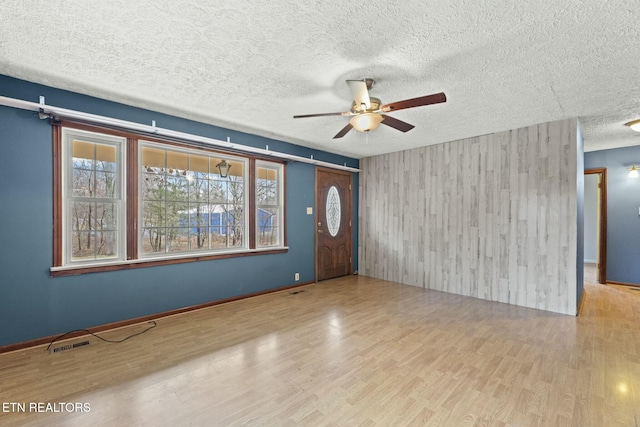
(634, 125)
(366, 122)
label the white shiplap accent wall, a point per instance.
(493, 217)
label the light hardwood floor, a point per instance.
(349, 351)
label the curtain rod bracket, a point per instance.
(41, 112)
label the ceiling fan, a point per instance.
(368, 112)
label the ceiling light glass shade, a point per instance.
(366, 122)
(633, 171)
(635, 125)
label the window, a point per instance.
(268, 204)
(93, 227)
(124, 202)
(186, 205)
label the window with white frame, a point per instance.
(185, 203)
(124, 202)
(93, 229)
(269, 207)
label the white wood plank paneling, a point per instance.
(493, 217)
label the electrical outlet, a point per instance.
(297, 276)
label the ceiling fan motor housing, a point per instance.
(361, 108)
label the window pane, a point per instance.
(82, 182)
(153, 214)
(217, 220)
(199, 237)
(105, 244)
(269, 205)
(91, 245)
(106, 216)
(199, 188)
(105, 166)
(267, 193)
(268, 226)
(152, 159)
(268, 236)
(236, 216)
(177, 239)
(199, 165)
(236, 236)
(94, 170)
(94, 228)
(82, 246)
(198, 215)
(106, 154)
(177, 160)
(218, 191)
(153, 186)
(177, 214)
(267, 187)
(83, 150)
(82, 216)
(236, 199)
(176, 188)
(105, 184)
(153, 240)
(218, 238)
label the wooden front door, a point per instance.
(333, 223)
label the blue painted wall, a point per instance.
(34, 305)
(623, 221)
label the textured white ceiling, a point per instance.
(251, 66)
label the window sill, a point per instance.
(152, 262)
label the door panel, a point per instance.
(333, 223)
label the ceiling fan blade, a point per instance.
(344, 131)
(396, 124)
(436, 98)
(304, 116)
(359, 92)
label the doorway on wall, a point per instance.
(333, 223)
(595, 225)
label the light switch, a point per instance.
(309, 211)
